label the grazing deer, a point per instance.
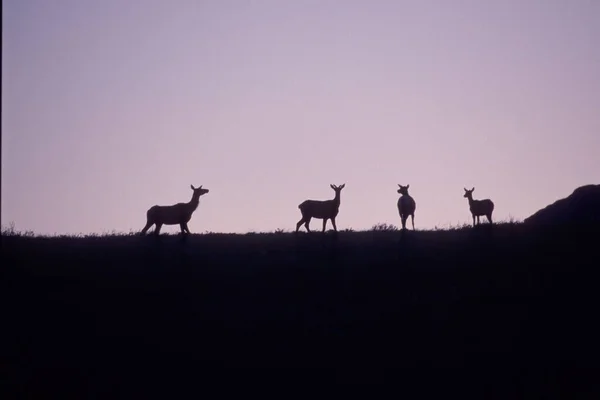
(479, 207)
(406, 206)
(321, 209)
(179, 213)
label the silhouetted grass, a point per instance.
(512, 305)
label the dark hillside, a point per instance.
(507, 310)
(582, 207)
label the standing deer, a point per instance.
(321, 209)
(179, 213)
(406, 206)
(479, 207)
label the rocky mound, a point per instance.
(581, 207)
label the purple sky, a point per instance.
(110, 107)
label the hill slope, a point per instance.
(581, 207)
(90, 315)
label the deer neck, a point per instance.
(336, 199)
(471, 201)
(193, 204)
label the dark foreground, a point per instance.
(500, 312)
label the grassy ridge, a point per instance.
(506, 297)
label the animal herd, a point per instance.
(181, 213)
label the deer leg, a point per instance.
(412, 218)
(299, 224)
(403, 220)
(473, 219)
(157, 229)
(333, 223)
(306, 223)
(489, 217)
(324, 223)
(148, 225)
(184, 228)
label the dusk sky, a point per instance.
(112, 106)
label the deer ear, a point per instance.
(407, 186)
(332, 186)
(192, 186)
(200, 187)
(473, 188)
(465, 190)
(343, 186)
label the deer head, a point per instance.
(337, 188)
(198, 191)
(403, 189)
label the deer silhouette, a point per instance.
(479, 207)
(406, 206)
(321, 209)
(179, 213)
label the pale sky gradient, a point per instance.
(112, 106)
